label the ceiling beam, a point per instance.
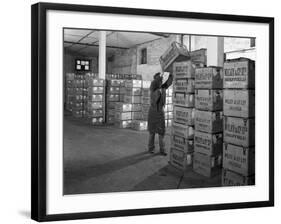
(92, 45)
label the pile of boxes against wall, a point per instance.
(69, 91)
(182, 131)
(95, 108)
(208, 136)
(239, 122)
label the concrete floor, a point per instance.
(99, 159)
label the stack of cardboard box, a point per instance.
(145, 99)
(95, 100)
(182, 132)
(79, 96)
(69, 91)
(239, 122)
(114, 95)
(168, 109)
(208, 137)
(123, 115)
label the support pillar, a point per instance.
(215, 51)
(102, 54)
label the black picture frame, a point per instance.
(39, 108)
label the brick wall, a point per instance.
(129, 61)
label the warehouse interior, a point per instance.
(108, 153)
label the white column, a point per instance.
(215, 51)
(102, 54)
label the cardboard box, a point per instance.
(239, 131)
(169, 115)
(96, 120)
(184, 115)
(95, 97)
(178, 142)
(132, 99)
(113, 97)
(207, 143)
(146, 100)
(94, 82)
(239, 159)
(209, 121)
(139, 125)
(182, 130)
(239, 103)
(169, 99)
(239, 74)
(146, 84)
(110, 119)
(136, 107)
(123, 107)
(146, 93)
(180, 159)
(110, 105)
(133, 83)
(115, 82)
(133, 91)
(209, 78)
(123, 116)
(169, 91)
(184, 85)
(210, 100)
(199, 56)
(183, 99)
(137, 115)
(94, 105)
(183, 70)
(95, 90)
(168, 122)
(123, 124)
(230, 178)
(95, 113)
(113, 90)
(176, 52)
(208, 166)
(168, 107)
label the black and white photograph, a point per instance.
(147, 111)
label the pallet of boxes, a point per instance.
(239, 122)
(141, 123)
(182, 131)
(79, 96)
(114, 95)
(69, 91)
(168, 109)
(130, 109)
(95, 89)
(208, 137)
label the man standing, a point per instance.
(156, 116)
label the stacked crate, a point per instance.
(145, 99)
(95, 100)
(123, 115)
(182, 132)
(239, 122)
(208, 137)
(168, 109)
(114, 95)
(79, 96)
(69, 91)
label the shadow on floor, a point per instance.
(81, 172)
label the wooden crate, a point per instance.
(182, 130)
(208, 166)
(123, 116)
(183, 99)
(184, 115)
(178, 142)
(239, 74)
(239, 131)
(209, 78)
(239, 103)
(137, 115)
(96, 90)
(207, 143)
(182, 70)
(210, 100)
(132, 99)
(208, 121)
(184, 85)
(230, 178)
(123, 124)
(133, 91)
(239, 159)
(180, 159)
(133, 83)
